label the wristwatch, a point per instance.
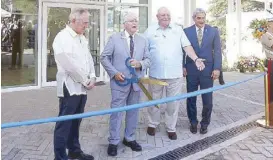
(196, 59)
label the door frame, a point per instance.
(43, 40)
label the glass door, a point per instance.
(55, 18)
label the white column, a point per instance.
(233, 48)
(186, 12)
(239, 24)
(150, 3)
(192, 8)
(188, 7)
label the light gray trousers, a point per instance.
(171, 113)
(120, 99)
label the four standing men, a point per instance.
(162, 52)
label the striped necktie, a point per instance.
(200, 36)
(131, 45)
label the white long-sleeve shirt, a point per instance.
(74, 62)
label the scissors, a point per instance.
(139, 81)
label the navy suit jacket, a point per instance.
(210, 50)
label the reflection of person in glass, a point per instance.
(75, 76)
(17, 45)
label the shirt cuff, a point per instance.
(92, 75)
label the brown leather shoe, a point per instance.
(172, 135)
(151, 131)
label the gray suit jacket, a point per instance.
(117, 51)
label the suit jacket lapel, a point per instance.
(135, 44)
(195, 35)
(124, 39)
(205, 35)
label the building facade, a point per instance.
(27, 33)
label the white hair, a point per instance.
(130, 16)
(197, 11)
(76, 13)
(161, 8)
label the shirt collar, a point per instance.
(71, 31)
(198, 28)
(170, 26)
(127, 35)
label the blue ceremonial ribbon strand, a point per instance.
(125, 108)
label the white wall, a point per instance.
(250, 46)
(175, 6)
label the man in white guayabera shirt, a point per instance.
(75, 76)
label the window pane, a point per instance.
(130, 1)
(116, 16)
(19, 43)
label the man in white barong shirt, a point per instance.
(75, 76)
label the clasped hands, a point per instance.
(91, 83)
(134, 63)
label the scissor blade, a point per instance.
(146, 92)
(152, 81)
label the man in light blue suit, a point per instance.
(206, 43)
(119, 47)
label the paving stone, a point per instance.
(36, 142)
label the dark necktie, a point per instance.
(131, 46)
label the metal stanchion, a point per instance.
(268, 88)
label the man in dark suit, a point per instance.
(206, 43)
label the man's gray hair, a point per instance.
(129, 16)
(77, 12)
(197, 11)
(162, 8)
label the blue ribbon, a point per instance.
(125, 108)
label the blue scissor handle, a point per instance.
(132, 70)
(128, 65)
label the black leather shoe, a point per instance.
(222, 82)
(112, 150)
(151, 131)
(203, 130)
(193, 129)
(172, 135)
(80, 156)
(133, 145)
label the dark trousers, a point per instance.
(193, 81)
(221, 77)
(66, 133)
(16, 52)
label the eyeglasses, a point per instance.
(133, 21)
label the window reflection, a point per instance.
(117, 13)
(18, 45)
(130, 1)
